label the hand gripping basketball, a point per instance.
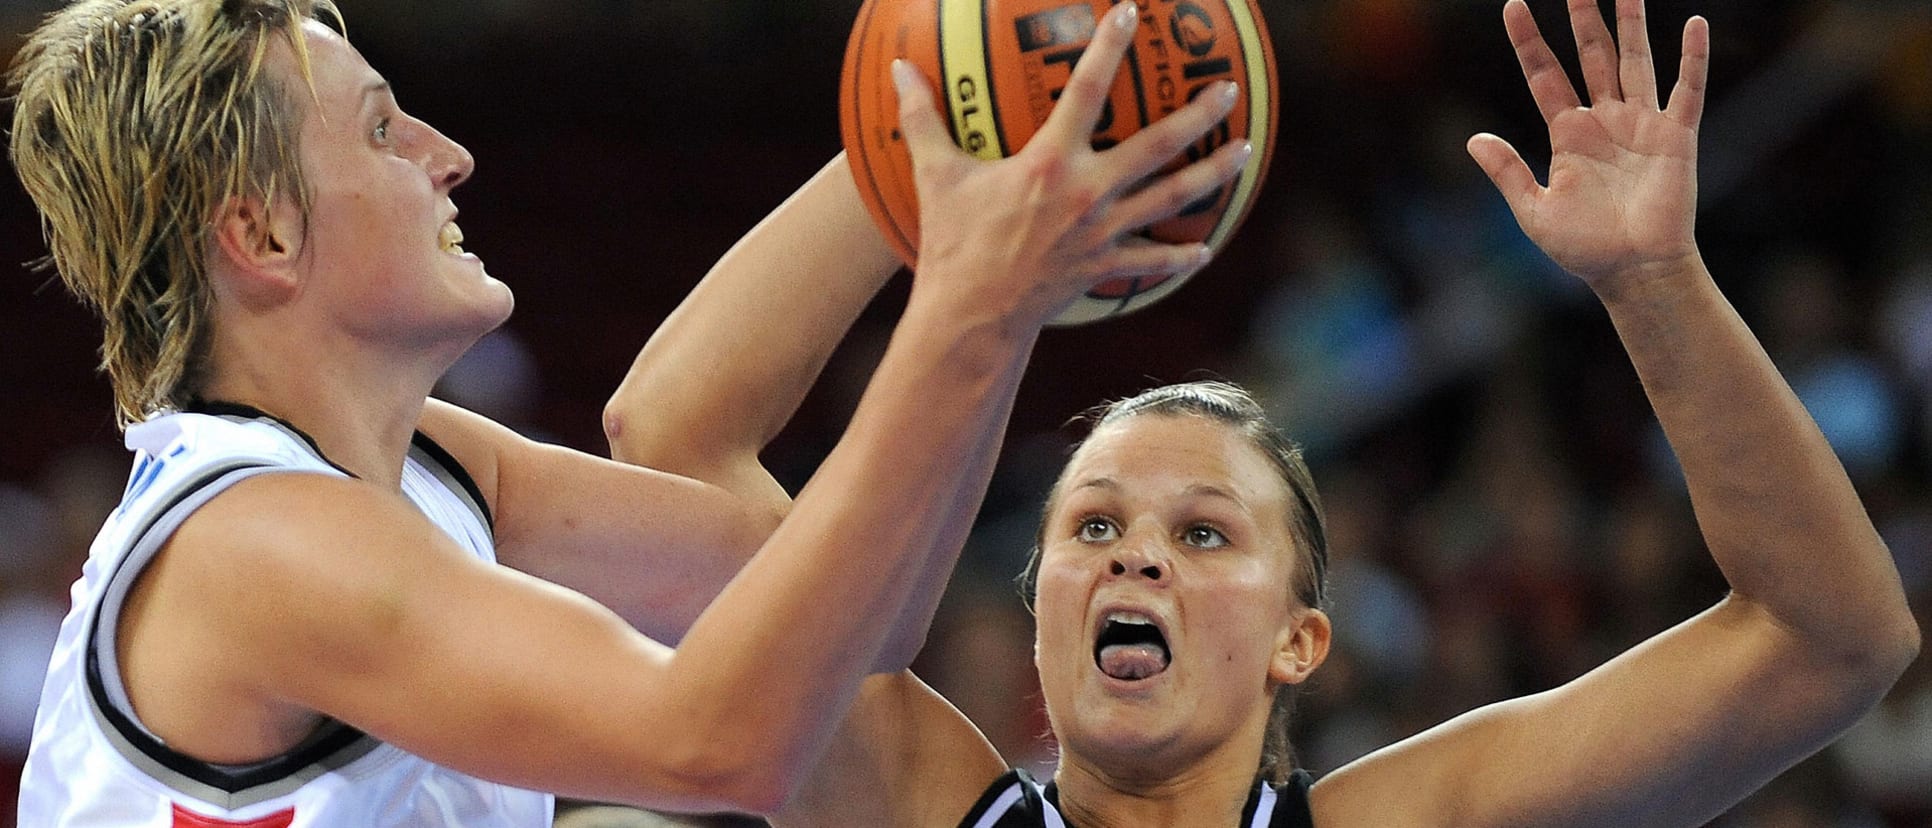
(1000, 69)
(1035, 231)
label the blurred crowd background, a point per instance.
(1504, 512)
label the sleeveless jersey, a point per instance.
(92, 764)
(1016, 800)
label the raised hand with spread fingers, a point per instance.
(1622, 190)
(1815, 628)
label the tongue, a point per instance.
(1131, 662)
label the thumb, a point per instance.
(926, 135)
(1506, 170)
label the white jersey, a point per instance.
(92, 763)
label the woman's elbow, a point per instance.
(1876, 657)
(714, 776)
(1904, 643)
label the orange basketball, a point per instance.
(999, 65)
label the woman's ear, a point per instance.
(1301, 647)
(260, 245)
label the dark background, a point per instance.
(1504, 514)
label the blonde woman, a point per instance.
(327, 600)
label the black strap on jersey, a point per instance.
(1024, 804)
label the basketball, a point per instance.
(998, 67)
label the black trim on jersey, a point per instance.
(443, 458)
(1292, 808)
(223, 408)
(1029, 804)
(1248, 808)
(329, 738)
(1293, 803)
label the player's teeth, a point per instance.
(451, 238)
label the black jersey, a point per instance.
(1016, 800)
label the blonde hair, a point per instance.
(134, 122)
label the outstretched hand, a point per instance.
(1031, 232)
(1622, 194)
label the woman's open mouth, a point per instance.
(1130, 647)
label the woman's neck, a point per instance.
(358, 403)
(365, 428)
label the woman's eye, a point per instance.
(1094, 530)
(382, 131)
(1205, 537)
